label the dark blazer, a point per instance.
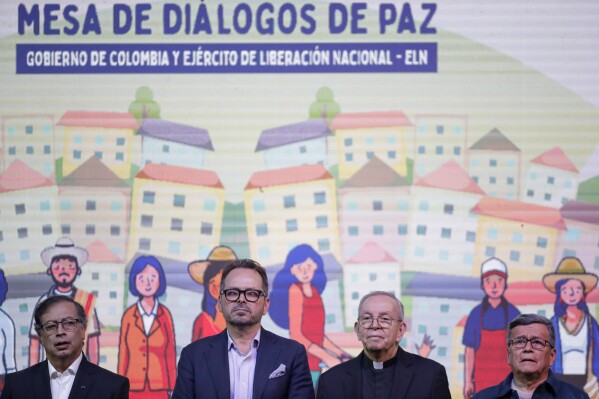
(204, 369)
(415, 378)
(91, 382)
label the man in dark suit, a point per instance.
(61, 323)
(245, 360)
(383, 369)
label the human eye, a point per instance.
(252, 294)
(50, 327)
(385, 319)
(232, 294)
(519, 342)
(69, 323)
(537, 343)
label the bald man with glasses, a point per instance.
(245, 361)
(383, 370)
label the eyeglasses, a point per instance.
(233, 294)
(536, 343)
(51, 327)
(383, 321)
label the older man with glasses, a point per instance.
(244, 361)
(60, 323)
(530, 354)
(383, 369)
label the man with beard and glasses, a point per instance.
(244, 361)
(64, 262)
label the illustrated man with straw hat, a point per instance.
(576, 330)
(64, 261)
(208, 273)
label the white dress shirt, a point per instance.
(61, 383)
(148, 319)
(241, 368)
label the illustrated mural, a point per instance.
(471, 192)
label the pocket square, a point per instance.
(278, 372)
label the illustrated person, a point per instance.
(296, 291)
(484, 333)
(60, 322)
(8, 362)
(209, 273)
(64, 262)
(383, 369)
(245, 360)
(576, 330)
(147, 354)
(530, 354)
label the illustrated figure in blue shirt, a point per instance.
(484, 333)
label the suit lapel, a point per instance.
(156, 324)
(266, 362)
(403, 376)
(138, 320)
(219, 365)
(84, 380)
(42, 391)
(354, 371)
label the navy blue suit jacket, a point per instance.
(203, 370)
(91, 382)
(415, 378)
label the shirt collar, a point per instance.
(154, 311)
(255, 342)
(72, 369)
(551, 382)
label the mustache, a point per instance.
(238, 307)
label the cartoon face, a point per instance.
(494, 286)
(528, 360)
(63, 272)
(572, 292)
(375, 335)
(214, 285)
(147, 281)
(304, 272)
(242, 312)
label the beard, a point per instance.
(63, 281)
(244, 319)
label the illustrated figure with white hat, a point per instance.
(208, 273)
(64, 261)
(485, 330)
(576, 330)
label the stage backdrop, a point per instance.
(444, 151)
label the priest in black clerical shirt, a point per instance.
(383, 369)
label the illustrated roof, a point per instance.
(370, 120)
(444, 286)
(19, 176)
(520, 212)
(93, 173)
(496, 141)
(293, 133)
(180, 174)
(371, 252)
(291, 175)
(176, 132)
(581, 211)
(450, 176)
(376, 173)
(100, 253)
(555, 158)
(122, 120)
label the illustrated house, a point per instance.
(441, 228)
(171, 143)
(94, 206)
(290, 206)
(302, 143)
(363, 135)
(438, 139)
(176, 212)
(552, 179)
(495, 165)
(29, 139)
(374, 207)
(110, 136)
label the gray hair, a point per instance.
(531, 318)
(384, 293)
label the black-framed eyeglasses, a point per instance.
(536, 343)
(382, 321)
(51, 327)
(233, 294)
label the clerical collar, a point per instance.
(379, 365)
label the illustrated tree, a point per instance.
(325, 105)
(144, 105)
